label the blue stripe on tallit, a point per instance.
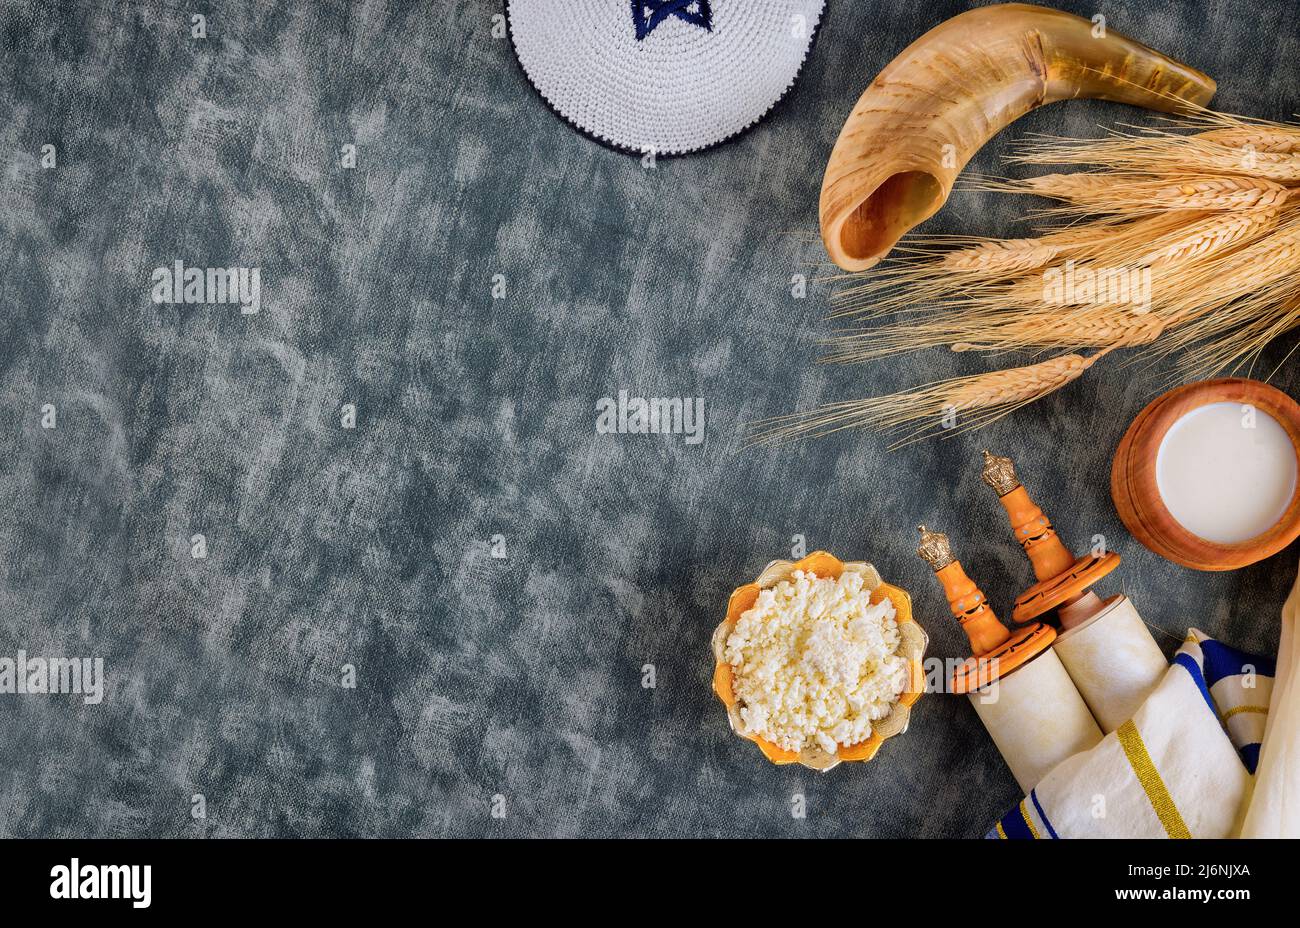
(1222, 661)
(1249, 756)
(1042, 816)
(1189, 664)
(1226, 662)
(1013, 823)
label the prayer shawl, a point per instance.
(1180, 768)
(1275, 807)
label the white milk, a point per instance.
(1226, 472)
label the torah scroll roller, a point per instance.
(1104, 644)
(1017, 684)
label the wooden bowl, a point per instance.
(912, 643)
(1137, 497)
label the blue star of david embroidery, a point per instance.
(647, 14)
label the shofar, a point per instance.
(913, 130)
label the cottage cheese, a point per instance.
(814, 662)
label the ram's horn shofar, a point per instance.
(950, 91)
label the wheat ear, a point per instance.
(952, 406)
(1277, 139)
(1131, 195)
(1211, 235)
(1007, 257)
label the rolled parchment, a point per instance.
(1036, 718)
(1113, 661)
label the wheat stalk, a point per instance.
(951, 406)
(1007, 389)
(1161, 157)
(1272, 138)
(1095, 328)
(1205, 211)
(1011, 256)
(1235, 146)
(1210, 235)
(1083, 187)
(1130, 195)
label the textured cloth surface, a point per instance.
(666, 76)
(519, 676)
(1179, 768)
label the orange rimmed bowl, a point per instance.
(911, 645)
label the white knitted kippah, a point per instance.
(668, 76)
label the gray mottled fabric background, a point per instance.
(476, 676)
